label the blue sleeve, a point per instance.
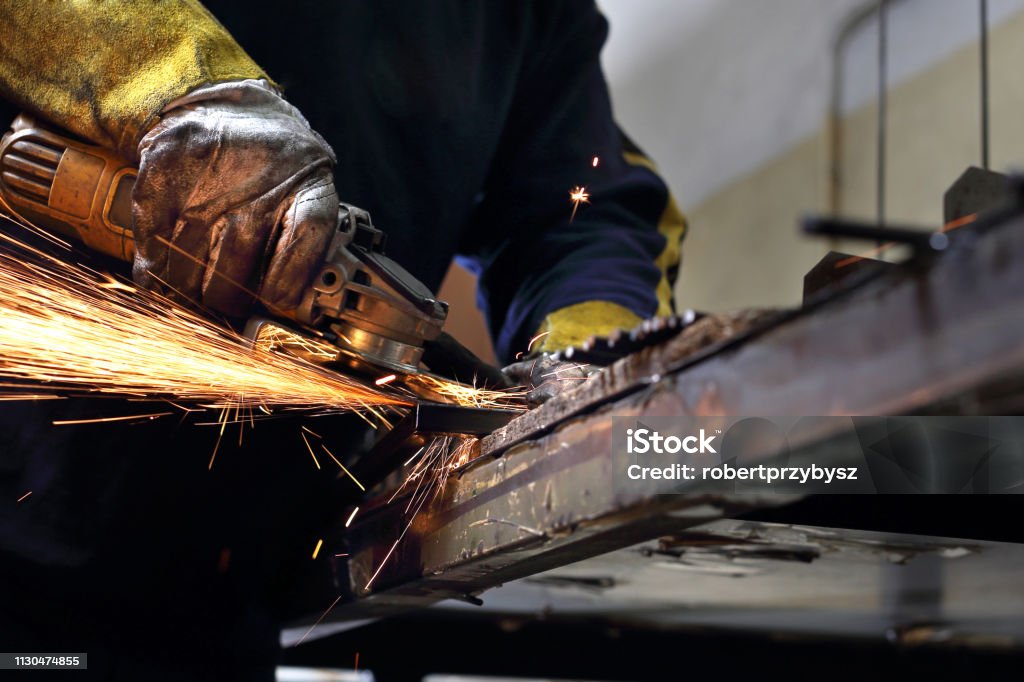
(531, 256)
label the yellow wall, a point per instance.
(744, 249)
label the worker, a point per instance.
(461, 127)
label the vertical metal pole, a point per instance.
(983, 46)
(882, 91)
(850, 27)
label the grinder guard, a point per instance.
(368, 305)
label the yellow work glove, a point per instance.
(545, 377)
(105, 70)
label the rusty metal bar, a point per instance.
(943, 336)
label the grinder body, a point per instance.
(74, 189)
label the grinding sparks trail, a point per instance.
(67, 329)
(318, 620)
(343, 468)
(442, 456)
(311, 453)
(578, 195)
(468, 396)
(105, 420)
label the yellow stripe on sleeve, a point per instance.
(672, 225)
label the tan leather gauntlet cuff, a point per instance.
(104, 70)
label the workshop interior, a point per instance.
(512, 341)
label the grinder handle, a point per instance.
(73, 188)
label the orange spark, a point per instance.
(342, 467)
(220, 435)
(29, 396)
(318, 620)
(104, 420)
(25, 496)
(564, 368)
(414, 456)
(111, 283)
(578, 195)
(351, 516)
(954, 224)
(386, 379)
(316, 550)
(534, 340)
(311, 454)
(594, 162)
(391, 551)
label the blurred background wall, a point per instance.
(732, 100)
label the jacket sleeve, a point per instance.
(540, 267)
(104, 70)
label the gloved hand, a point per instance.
(234, 197)
(546, 377)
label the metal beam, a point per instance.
(941, 336)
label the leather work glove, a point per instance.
(230, 174)
(234, 197)
(545, 377)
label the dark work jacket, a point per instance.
(461, 127)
